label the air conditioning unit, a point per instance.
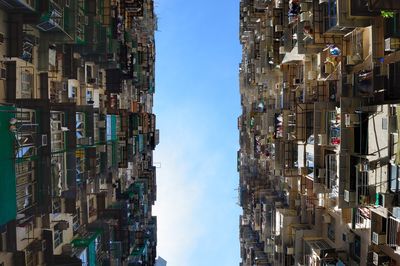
(363, 167)
(378, 239)
(92, 81)
(285, 85)
(103, 97)
(392, 44)
(278, 86)
(290, 136)
(312, 75)
(278, 248)
(102, 148)
(101, 124)
(396, 212)
(326, 218)
(62, 225)
(350, 79)
(67, 249)
(322, 140)
(296, 81)
(328, 68)
(353, 60)
(305, 16)
(297, 203)
(304, 7)
(38, 245)
(380, 259)
(349, 196)
(85, 141)
(386, 200)
(278, 28)
(348, 237)
(351, 120)
(271, 53)
(289, 250)
(322, 173)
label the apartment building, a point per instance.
(77, 132)
(319, 154)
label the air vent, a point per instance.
(3, 73)
(44, 140)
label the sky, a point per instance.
(197, 103)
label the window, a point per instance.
(384, 123)
(331, 230)
(356, 248)
(330, 15)
(88, 72)
(26, 84)
(57, 238)
(80, 125)
(76, 223)
(394, 178)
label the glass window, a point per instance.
(26, 84)
(394, 178)
(331, 230)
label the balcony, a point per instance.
(25, 6)
(361, 218)
(378, 5)
(393, 233)
(329, 173)
(361, 8)
(20, 79)
(26, 156)
(379, 227)
(333, 128)
(340, 18)
(392, 88)
(330, 14)
(379, 258)
(378, 238)
(52, 19)
(315, 250)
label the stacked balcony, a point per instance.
(77, 119)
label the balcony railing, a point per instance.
(330, 14)
(393, 232)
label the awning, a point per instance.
(293, 56)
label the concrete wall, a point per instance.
(378, 148)
(6, 258)
(3, 52)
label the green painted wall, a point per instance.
(8, 204)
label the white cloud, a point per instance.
(179, 188)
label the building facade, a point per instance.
(77, 132)
(319, 129)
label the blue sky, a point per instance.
(197, 104)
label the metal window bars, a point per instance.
(25, 154)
